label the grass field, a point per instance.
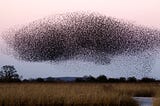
(88, 94)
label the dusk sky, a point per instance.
(16, 13)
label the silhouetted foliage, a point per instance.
(113, 80)
(39, 80)
(122, 79)
(9, 74)
(132, 79)
(25, 80)
(50, 79)
(145, 79)
(90, 79)
(102, 78)
(80, 80)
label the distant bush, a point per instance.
(39, 80)
(145, 79)
(50, 79)
(122, 79)
(25, 80)
(91, 79)
(80, 80)
(102, 78)
(113, 80)
(132, 79)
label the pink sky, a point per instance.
(17, 12)
(13, 12)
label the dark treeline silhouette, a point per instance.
(99, 79)
(103, 78)
(8, 73)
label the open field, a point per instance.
(103, 94)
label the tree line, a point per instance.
(103, 78)
(8, 73)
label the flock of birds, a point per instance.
(80, 36)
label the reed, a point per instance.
(65, 94)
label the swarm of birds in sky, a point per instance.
(81, 36)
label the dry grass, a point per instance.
(88, 94)
(156, 101)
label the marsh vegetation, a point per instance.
(104, 94)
